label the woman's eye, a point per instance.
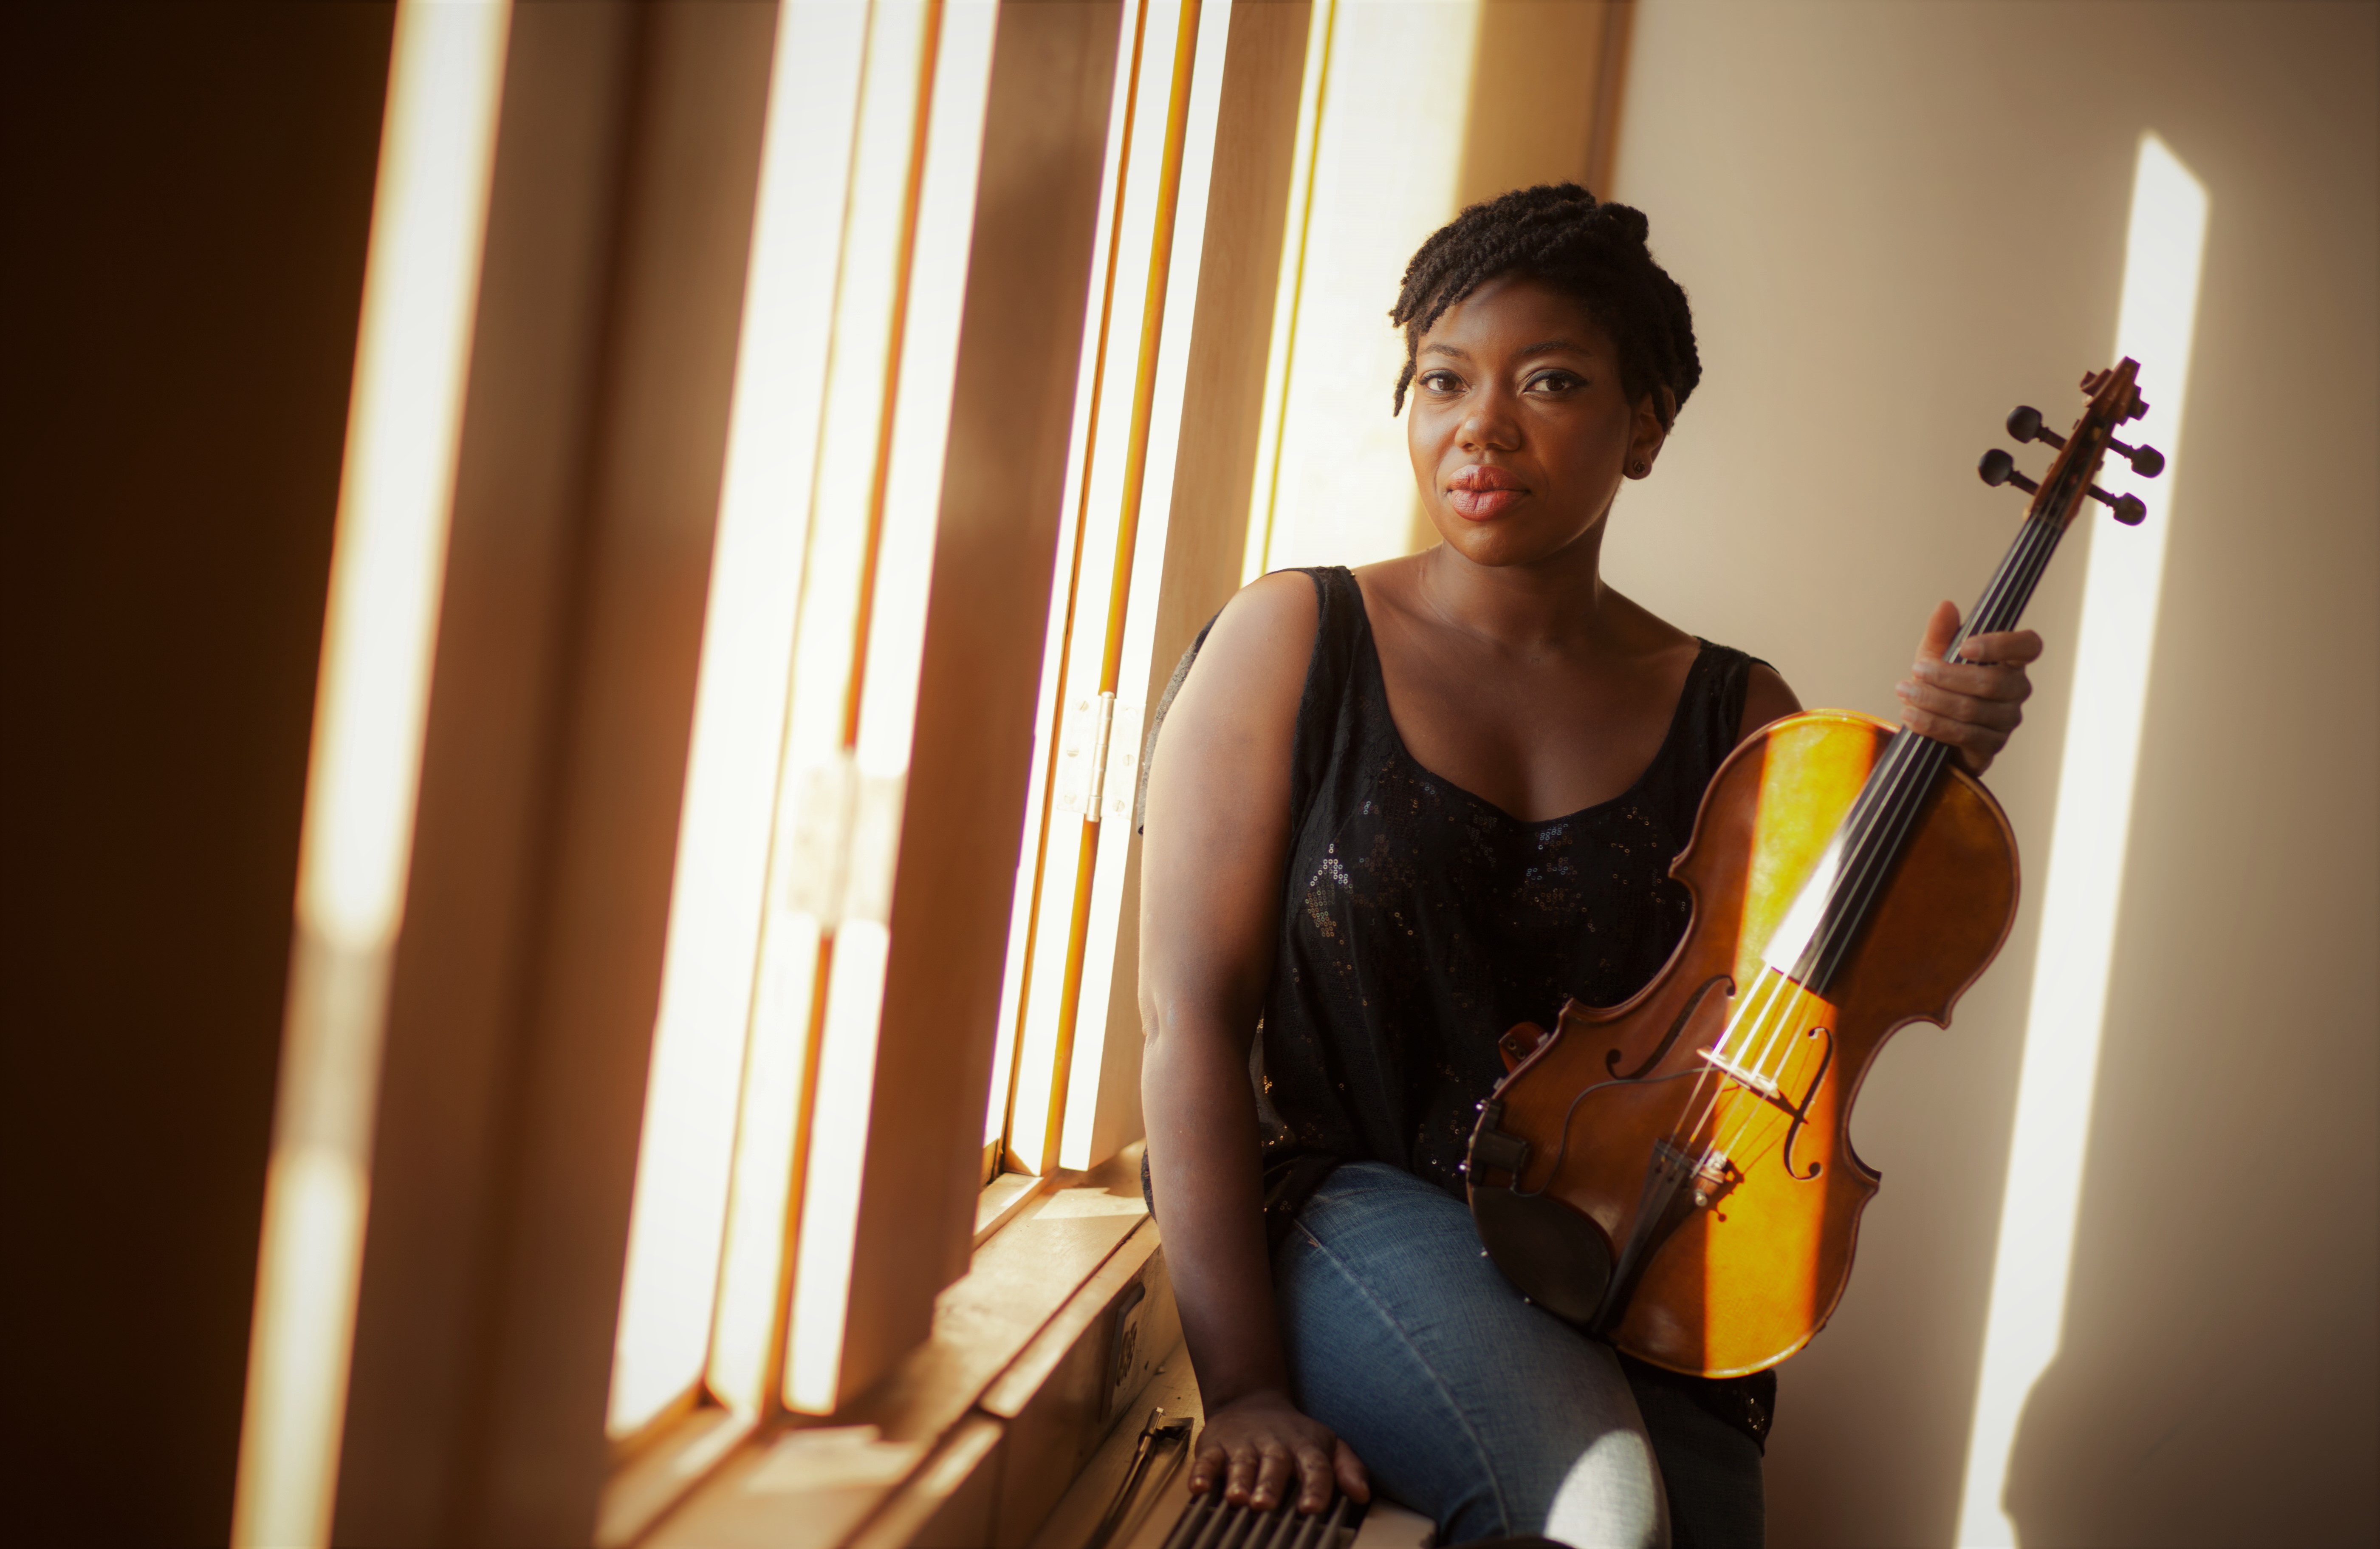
(1552, 382)
(1440, 381)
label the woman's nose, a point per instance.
(1490, 425)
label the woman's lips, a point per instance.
(1479, 492)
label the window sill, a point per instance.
(1064, 1316)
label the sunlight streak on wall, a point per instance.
(395, 499)
(2084, 890)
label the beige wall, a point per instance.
(1896, 222)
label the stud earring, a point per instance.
(1640, 468)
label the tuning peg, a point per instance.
(2147, 461)
(1998, 468)
(2127, 508)
(2024, 424)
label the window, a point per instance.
(1067, 1103)
(763, 1060)
(1235, 190)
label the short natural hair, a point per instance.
(1594, 251)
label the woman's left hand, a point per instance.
(1972, 703)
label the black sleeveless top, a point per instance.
(1419, 923)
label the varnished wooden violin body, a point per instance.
(1676, 1174)
(1783, 1216)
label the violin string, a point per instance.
(1894, 775)
(1756, 1018)
(1796, 1033)
(1701, 1100)
(1729, 1141)
(1763, 1016)
(1880, 825)
(1880, 818)
(1697, 1106)
(1878, 821)
(2002, 604)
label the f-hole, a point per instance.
(1661, 1050)
(1801, 1111)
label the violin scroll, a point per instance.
(2114, 401)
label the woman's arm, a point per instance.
(1216, 839)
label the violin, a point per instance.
(1675, 1175)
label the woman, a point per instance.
(1394, 813)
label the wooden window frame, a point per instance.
(529, 972)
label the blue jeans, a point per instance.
(1468, 1404)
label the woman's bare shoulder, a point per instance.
(1262, 642)
(1226, 740)
(1766, 697)
(1646, 634)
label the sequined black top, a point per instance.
(1419, 921)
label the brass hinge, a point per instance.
(1098, 755)
(843, 841)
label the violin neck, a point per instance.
(1819, 931)
(2003, 601)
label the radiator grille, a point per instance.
(1212, 1523)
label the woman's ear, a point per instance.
(1648, 428)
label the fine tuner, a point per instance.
(1998, 468)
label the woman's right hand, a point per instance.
(1254, 1443)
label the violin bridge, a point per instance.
(1750, 1077)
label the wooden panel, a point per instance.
(1060, 1395)
(1035, 1272)
(982, 1325)
(462, 965)
(677, 297)
(528, 975)
(1239, 273)
(949, 1505)
(191, 189)
(994, 548)
(1221, 413)
(1540, 77)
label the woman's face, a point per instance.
(1519, 429)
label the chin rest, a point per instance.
(1555, 1255)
